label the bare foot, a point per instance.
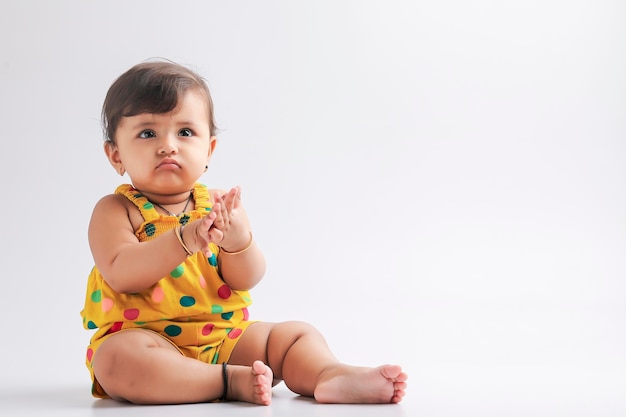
(354, 385)
(250, 384)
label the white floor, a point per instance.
(76, 401)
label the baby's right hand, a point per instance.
(196, 234)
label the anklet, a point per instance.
(225, 378)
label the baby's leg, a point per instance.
(299, 354)
(142, 367)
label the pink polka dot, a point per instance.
(131, 313)
(157, 294)
(89, 354)
(246, 315)
(224, 292)
(107, 304)
(234, 333)
(202, 281)
(207, 329)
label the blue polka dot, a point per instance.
(187, 301)
(91, 325)
(212, 260)
(172, 330)
(150, 229)
(227, 316)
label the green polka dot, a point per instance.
(150, 229)
(172, 330)
(178, 271)
(212, 260)
(96, 296)
(217, 309)
(187, 301)
(247, 299)
(91, 325)
(148, 206)
(227, 316)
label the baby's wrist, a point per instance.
(239, 248)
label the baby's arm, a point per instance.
(241, 262)
(126, 264)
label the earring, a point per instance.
(121, 171)
(206, 167)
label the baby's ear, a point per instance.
(212, 143)
(113, 155)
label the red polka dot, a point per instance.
(117, 326)
(246, 315)
(131, 313)
(224, 292)
(207, 329)
(234, 333)
(89, 354)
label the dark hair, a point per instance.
(151, 87)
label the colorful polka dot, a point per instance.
(207, 329)
(96, 296)
(216, 309)
(212, 259)
(131, 313)
(157, 294)
(187, 301)
(91, 325)
(246, 314)
(148, 205)
(150, 229)
(89, 354)
(178, 271)
(107, 304)
(224, 292)
(116, 327)
(227, 316)
(234, 333)
(172, 330)
(202, 281)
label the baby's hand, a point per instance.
(199, 233)
(230, 228)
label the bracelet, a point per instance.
(178, 231)
(225, 378)
(239, 251)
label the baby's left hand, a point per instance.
(230, 228)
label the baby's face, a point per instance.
(166, 153)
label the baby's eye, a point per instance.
(185, 132)
(146, 134)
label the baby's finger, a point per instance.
(216, 235)
(237, 199)
(230, 198)
(217, 211)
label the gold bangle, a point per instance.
(239, 251)
(178, 231)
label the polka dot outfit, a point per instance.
(191, 307)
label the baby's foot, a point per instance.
(251, 384)
(349, 384)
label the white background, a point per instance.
(439, 184)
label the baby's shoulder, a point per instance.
(112, 203)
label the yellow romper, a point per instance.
(191, 307)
